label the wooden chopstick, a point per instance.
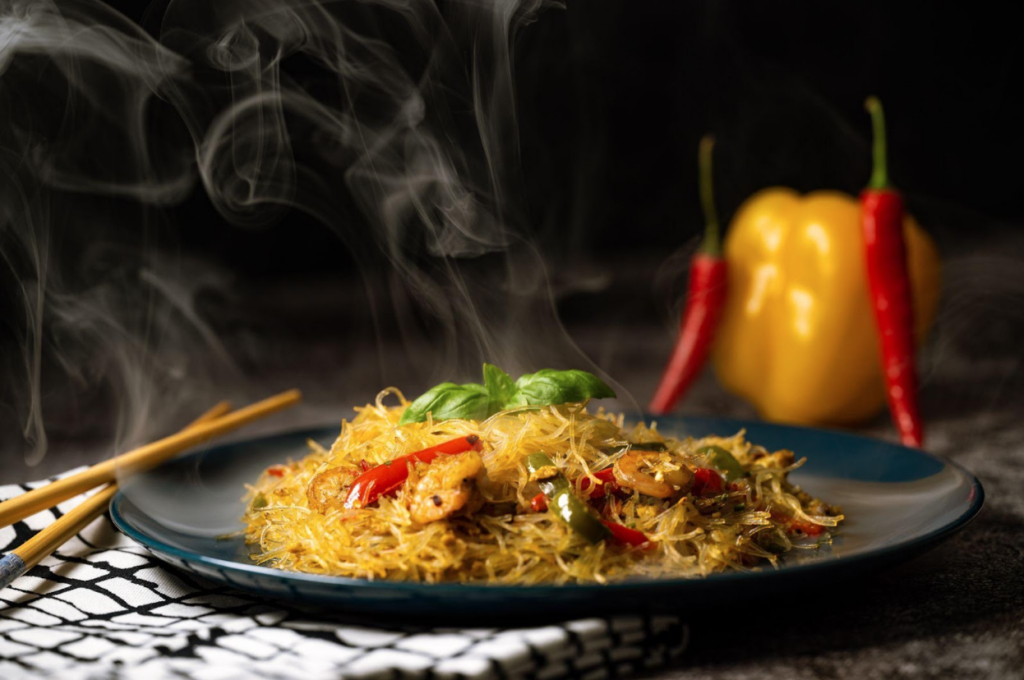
(34, 550)
(142, 458)
(216, 411)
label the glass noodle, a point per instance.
(498, 537)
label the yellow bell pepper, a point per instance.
(797, 337)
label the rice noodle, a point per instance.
(497, 538)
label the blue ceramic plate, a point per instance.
(897, 501)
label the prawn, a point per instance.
(444, 487)
(326, 491)
(669, 479)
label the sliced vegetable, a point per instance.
(660, 447)
(723, 460)
(624, 534)
(607, 485)
(385, 479)
(706, 482)
(539, 503)
(793, 524)
(276, 470)
(259, 502)
(563, 502)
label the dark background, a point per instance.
(614, 96)
(612, 100)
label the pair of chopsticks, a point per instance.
(217, 421)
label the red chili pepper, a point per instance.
(624, 534)
(363, 465)
(889, 282)
(706, 482)
(539, 503)
(705, 298)
(276, 470)
(385, 479)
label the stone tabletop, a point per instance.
(957, 611)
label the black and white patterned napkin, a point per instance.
(102, 607)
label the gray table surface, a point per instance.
(957, 611)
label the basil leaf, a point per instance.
(500, 388)
(549, 386)
(478, 402)
(448, 400)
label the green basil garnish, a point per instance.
(472, 401)
(500, 388)
(549, 386)
(448, 400)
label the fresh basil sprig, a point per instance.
(472, 401)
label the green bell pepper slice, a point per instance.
(723, 461)
(564, 503)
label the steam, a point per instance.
(399, 115)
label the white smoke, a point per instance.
(406, 110)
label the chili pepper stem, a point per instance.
(880, 168)
(712, 244)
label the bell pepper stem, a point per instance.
(711, 244)
(880, 168)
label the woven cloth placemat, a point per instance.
(103, 607)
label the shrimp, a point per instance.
(444, 487)
(326, 491)
(670, 478)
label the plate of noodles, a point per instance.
(528, 497)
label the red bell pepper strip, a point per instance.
(889, 282)
(539, 503)
(706, 482)
(624, 534)
(705, 298)
(794, 524)
(385, 479)
(608, 484)
(276, 470)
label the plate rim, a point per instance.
(911, 547)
